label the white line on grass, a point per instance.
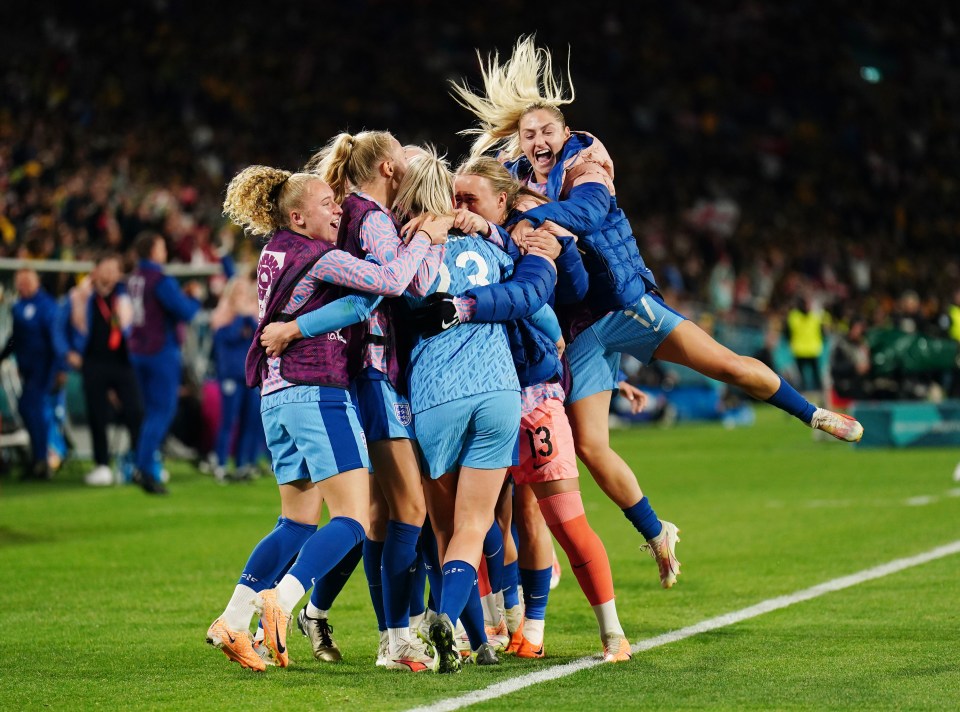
(838, 584)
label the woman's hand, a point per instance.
(437, 229)
(544, 243)
(470, 223)
(276, 337)
(637, 398)
(519, 232)
(561, 347)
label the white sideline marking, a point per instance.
(772, 604)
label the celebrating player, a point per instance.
(312, 427)
(519, 114)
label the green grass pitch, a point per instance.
(107, 593)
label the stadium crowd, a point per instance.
(751, 181)
(755, 186)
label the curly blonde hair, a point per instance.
(522, 84)
(348, 161)
(260, 198)
(427, 186)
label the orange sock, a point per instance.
(483, 579)
(567, 520)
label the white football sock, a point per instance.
(239, 611)
(289, 593)
(533, 631)
(607, 618)
(314, 612)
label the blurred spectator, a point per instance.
(40, 348)
(101, 317)
(850, 363)
(241, 429)
(805, 333)
(159, 307)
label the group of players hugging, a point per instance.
(435, 349)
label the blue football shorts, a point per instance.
(594, 356)
(313, 433)
(478, 431)
(384, 413)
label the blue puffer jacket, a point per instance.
(617, 272)
(513, 302)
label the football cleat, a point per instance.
(320, 634)
(275, 621)
(441, 636)
(616, 648)
(236, 645)
(264, 652)
(662, 548)
(486, 655)
(526, 649)
(515, 639)
(498, 636)
(409, 657)
(462, 640)
(840, 426)
(383, 649)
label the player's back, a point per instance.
(471, 358)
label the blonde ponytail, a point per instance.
(523, 83)
(348, 162)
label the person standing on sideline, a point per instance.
(101, 317)
(159, 306)
(805, 325)
(40, 347)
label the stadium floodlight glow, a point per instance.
(871, 75)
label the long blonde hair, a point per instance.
(427, 186)
(260, 198)
(522, 84)
(348, 161)
(500, 179)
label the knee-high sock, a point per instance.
(536, 592)
(493, 555)
(431, 562)
(372, 562)
(472, 620)
(399, 566)
(789, 400)
(327, 588)
(269, 557)
(568, 523)
(511, 581)
(459, 581)
(644, 519)
(417, 606)
(323, 550)
(274, 553)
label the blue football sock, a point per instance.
(493, 553)
(372, 560)
(418, 587)
(431, 562)
(642, 516)
(472, 619)
(328, 587)
(325, 549)
(536, 591)
(511, 580)
(459, 579)
(274, 552)
(788, 399)
(399, 565)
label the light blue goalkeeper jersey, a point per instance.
(471, 358)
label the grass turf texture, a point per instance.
(108, 592)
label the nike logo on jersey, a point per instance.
(657, 327)
(444, 325)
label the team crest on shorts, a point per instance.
(403, 413)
